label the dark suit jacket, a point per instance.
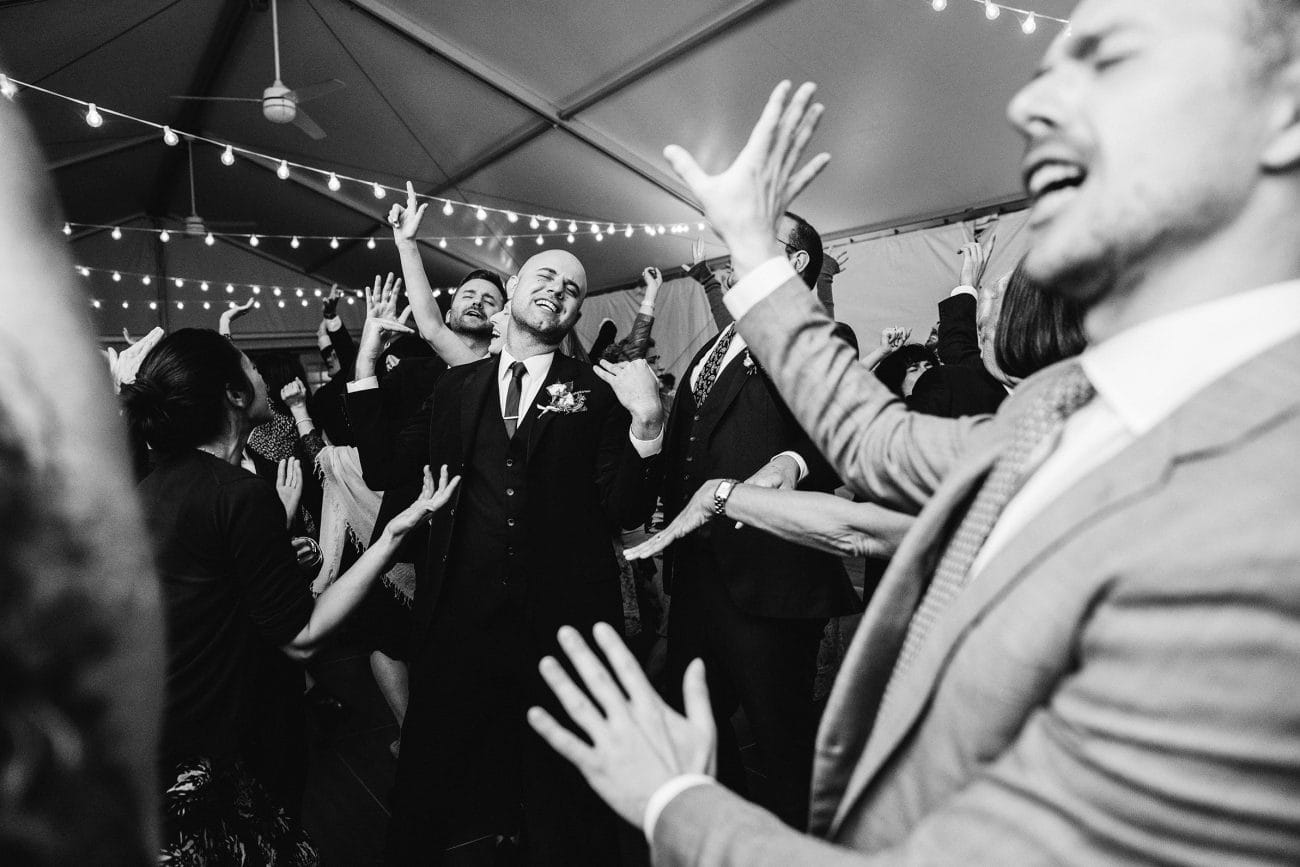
(744, 424)
(584, 481)
(963, 386)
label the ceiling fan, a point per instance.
(195, 226)
(280, 104)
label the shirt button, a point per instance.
(697, 417)
(510, 492)
(510, 522)
(689, 460)
(692, 439)
(510, 462)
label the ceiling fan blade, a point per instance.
(219, 98)
(307, 125)
(317, 90)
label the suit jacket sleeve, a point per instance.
(958, 343)
(389, 455)
(627, 490)
(713, 292)
(344, 348)
(881, 450)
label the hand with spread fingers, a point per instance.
(697, 512)
(406, 219)
(123, 365)
(231, 313)
(382, 321)
(433, 496)
(745, 202)
(638, 742)
(637, 388)
(288, 484)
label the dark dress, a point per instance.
(231, 597)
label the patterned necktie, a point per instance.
(511, 415)
(1037, 431)
(712, 364)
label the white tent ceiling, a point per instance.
(559, 107)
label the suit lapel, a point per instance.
(535, 422)
(479, 386)
(1229, 409)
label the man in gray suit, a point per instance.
(1086, 650)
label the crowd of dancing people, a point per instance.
(1077, 500)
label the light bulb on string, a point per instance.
(67, 229)
(480, 214)
(512, 216)
(594, 228)
(699, 226)
(478, 241)
(510, 240)
(539, 240)
(228, 156)
(126, 305)
(661, 229)
(609, 230)
(333, 183)
(210, 239)
(442, 242)
(117, 277)
(649, 230)
(304, 302)
(379, 191)
(573, 227)
(1030, 24)
(991, 10)
(281, 302)
(938, 5)
(551, 225)
(116, 233)
(298, 291)
(85, 272)
(370, 244)
(204, 286)
(294, 242)
(146, 279)
(93, 117)
(7, 88)
(627, 233)
(600, 236)
(257, 290)
(230, 288)
(534, 223)
(207, 305)
(94, 302)
(570, 238)
(334, 243)
(253, 241)
(153, 305)
(164, 236)
(283, 171)
(170, 138)
(316, 292)
(180, 284)
(447, 209)
(275, 290)
(180, 305)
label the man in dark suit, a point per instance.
(551, 465)
(752, 606)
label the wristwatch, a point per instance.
(721, 495)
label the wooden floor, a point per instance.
(346, 805)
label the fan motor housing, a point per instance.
(278, 105)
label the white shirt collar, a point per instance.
(1147, 372)
(538, 365)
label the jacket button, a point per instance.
(510, 522)
(692, 439)
(689, 460)
(697, 417)
(510, 462)
(510, 492)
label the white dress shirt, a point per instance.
(1142, 376)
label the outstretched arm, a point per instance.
(405, 220)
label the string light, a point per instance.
(180, 284)
(512, 216)
(295, 243)
(117, 277)
(210, 239)
(117, 233)
(252, 241)
(573, 227)
(480, 213)
(7, 88)
(228, 156)
(370, 245)
(570, 238)
(283, 171)
(207, 305)
(379, 191)
(334, 243)
(938, 5)
(627, 233)
(1029, 25)
(180, 305)
(447, 209)
(334, 183)
(609, 230)
(275, 290)
(534, 223)
(126, 305)
(539, 240)
(230, 288)
(93, 117)
(204, 285)
(170, 138)
(510, 240)
(146, 279)
(153, 305)
(551, 225)
(164, 236)
(991, 10)
(478, 241)
(67, 229)
(442, 242)
(600, 236)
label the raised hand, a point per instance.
(294, 394)
(329, 305)
(288, 484)
(231, 313)
(405, 219)
(381, 320)
(892, 339)
(638, 742)
(637, 388)
(697, 254)
(653, 279)
(974, 260)
(745, 202)
(433, 496)
(123, 365)
(697, 512)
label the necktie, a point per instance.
(511, 415)
(1038, 428)
(712, 364)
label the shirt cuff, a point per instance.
(799, 462)
(757, 285)
(648, 448)
(365, 383)
(964, 290)
(665, 794)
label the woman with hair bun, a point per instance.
(232, 595)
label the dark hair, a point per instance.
(1035, 328)
(278, 369)
(893, 369)
(176, 401)
(490, 276)
(804, 237)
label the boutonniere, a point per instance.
(751, 366)
(564, 399)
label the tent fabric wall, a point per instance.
(891, 280)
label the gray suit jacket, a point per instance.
(1119, 685)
